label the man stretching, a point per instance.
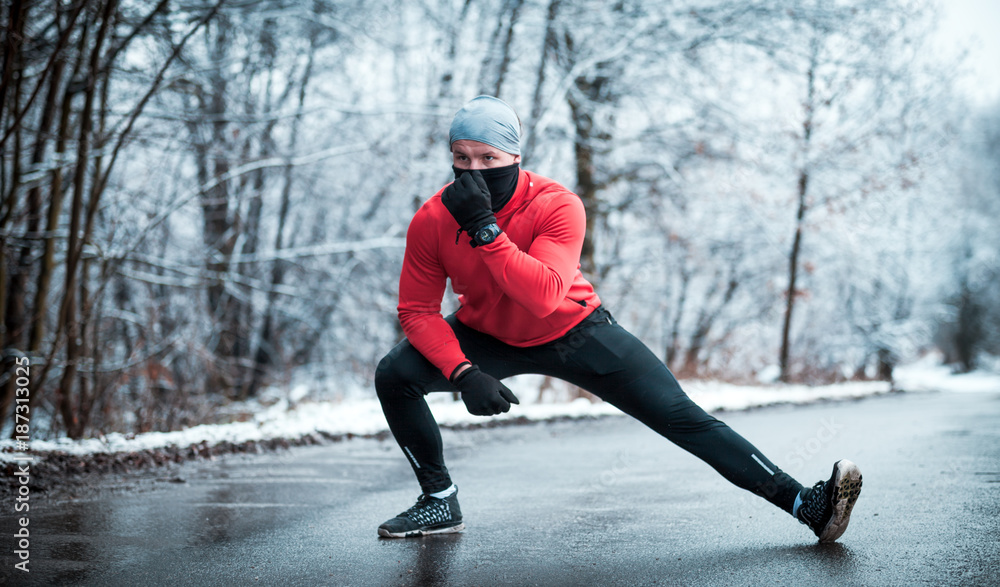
(510, 242)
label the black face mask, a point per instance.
(502, 181)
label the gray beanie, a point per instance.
(488, 120)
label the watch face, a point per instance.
(487, 234)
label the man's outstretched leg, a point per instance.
(401, 380)
(607, 360)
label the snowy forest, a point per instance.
(202, 199)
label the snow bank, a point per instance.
(364, 416)
(714, 396)
(929, 374)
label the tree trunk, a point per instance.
(706, 319)
(267, 345)
(17, 310)
(16, 15)
(68, 316)
(512, 9)
(220, 231)
(90, 304)
(673, 344)
(793, 269)
(548, 46)
(47, 267)
(583, 148)
(515, 13)
(11, 301)
(969, 332)
(886, 364)
(803, 190)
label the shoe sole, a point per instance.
(422, 532)
(846, 480)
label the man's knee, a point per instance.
(400, 371)
(387, 377)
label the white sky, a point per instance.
(975, 25)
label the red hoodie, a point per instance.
(525, 288)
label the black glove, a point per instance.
(483, 395)
(468, 201)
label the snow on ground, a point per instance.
(295, 418)
(929, 374)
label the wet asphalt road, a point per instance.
(603, 502)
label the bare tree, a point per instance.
(97, 150)
(845, 58)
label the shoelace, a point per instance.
(415, 507)
(814, 506)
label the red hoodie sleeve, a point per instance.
(421, 287)
(539, 279)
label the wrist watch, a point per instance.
(486, 234)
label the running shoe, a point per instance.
(826, 506)
(430, 515)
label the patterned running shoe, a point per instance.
(826, 507)
(430, 515)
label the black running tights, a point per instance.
(597, 355)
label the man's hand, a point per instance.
(468, 201)
(483, 395)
